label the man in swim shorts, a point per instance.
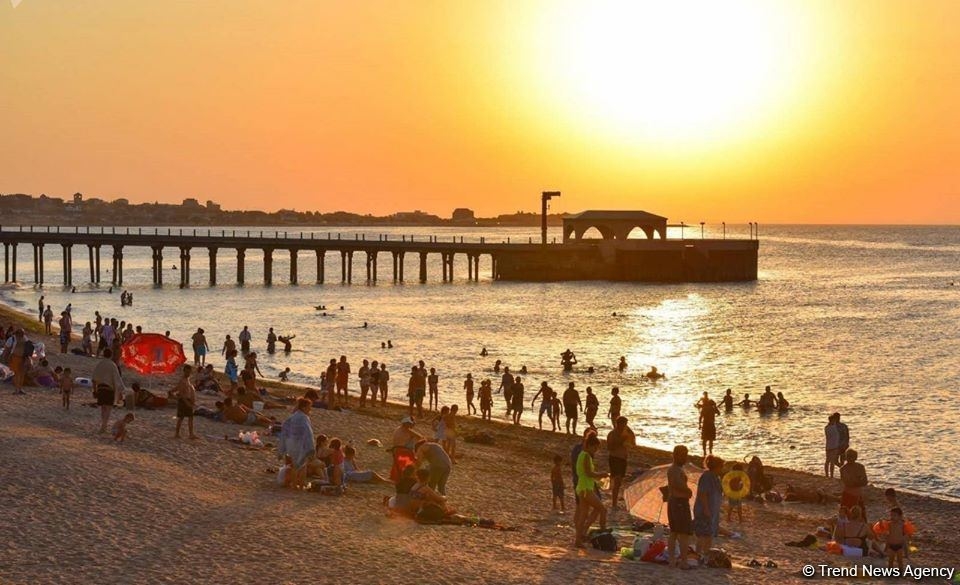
(617, 441)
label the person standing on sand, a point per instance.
(40, 308)
(412, 391)
(517, 397)
(186, 397)
(708, 422)
(615, 403)
(107, 384)
(589, 506)
(572, 406)
(468, 388)
(374, 381)
(678, 509)
(232, 372)
(19, 360)
(66, 328)
(506, 386)
(383, 380)
(593, 407)
(486, 399)
(363, 374)
(433, 381)
(244, 338)
(200, 348)
(618, 441)
(853, 475)
(832, 433)
(48, 321)
(844, 432)
(706, 508)
(343, 377)
(437, 460)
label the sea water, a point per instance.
(859, 320)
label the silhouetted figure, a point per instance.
(568, 359)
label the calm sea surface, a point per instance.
(860, 320)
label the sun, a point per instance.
(676, 72)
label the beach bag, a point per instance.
(605, 541)
(653, 551)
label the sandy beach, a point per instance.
(81, 509)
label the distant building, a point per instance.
(463, 215)
(191, 202)
(78, 200)
(414, 217)
(211, 206)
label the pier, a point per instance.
(575, 258)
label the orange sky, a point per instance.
(810, 111)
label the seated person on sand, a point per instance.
(317, 467)
(205, 381)
(400, 503)
(242, 415)
(808, 496)
(285, 474)
(248, 393)
(425, 501)
(354, 473)
(43, 376)
(146, 399)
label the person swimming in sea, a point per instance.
(287, 346)
(746, 403)
(567, 360)
(496, 366)
(653, 375)
(728, 401)
(768, 401)
(483, 352)
(389, 344)
(622, 365)
(782, 404)
(523, 370)
(365, 325)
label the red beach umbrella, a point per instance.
(152, 353)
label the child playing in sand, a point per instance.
(66, 387)
(556, 482)
(120, 428)
(896, 539)
(735, 503)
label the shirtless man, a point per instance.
(343, 377)
(468, 388)
(285, 340)
(241, 415)
(383, 381)
(228, 346)
(186, 397)
(592, 408)
(199, 348)
(678, 508)
(572, 407)
(405, 436)
(708, 423)
(728, 401)
(546, 405)
(506, 386)
(618, 441)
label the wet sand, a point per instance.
(81, 509)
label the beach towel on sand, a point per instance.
(296, 439)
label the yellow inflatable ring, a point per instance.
(736, 485)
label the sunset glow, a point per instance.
(793, 111)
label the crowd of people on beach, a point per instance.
(422, 465)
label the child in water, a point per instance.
(66, 387)
(556, 483)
